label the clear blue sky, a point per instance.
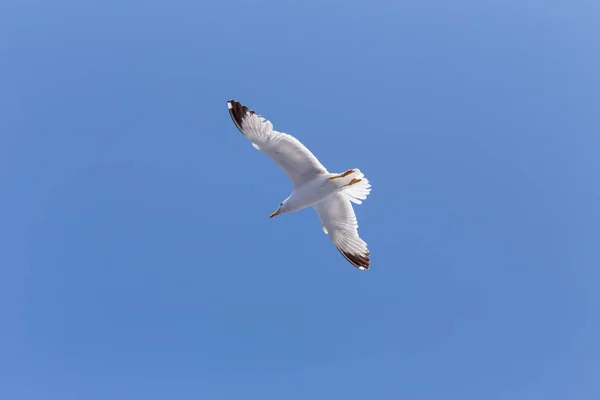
(137, 260)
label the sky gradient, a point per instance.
(137, 257)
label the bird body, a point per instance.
(310, 193)
(319, 188)
(330, 194)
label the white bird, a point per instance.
(328, 193)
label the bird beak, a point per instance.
(275, 213)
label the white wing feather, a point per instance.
(339, 223)
(299, 164)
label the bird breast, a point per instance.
(312, 192)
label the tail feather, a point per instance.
(353, 185)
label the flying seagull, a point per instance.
(330, 194)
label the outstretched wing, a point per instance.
(339, 222)
(299, 164)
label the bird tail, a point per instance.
(352, 184)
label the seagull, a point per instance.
(330, 194)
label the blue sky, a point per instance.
(137, 259)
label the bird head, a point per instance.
(282, 209)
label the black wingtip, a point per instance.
(360, 261)
(238, 112)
